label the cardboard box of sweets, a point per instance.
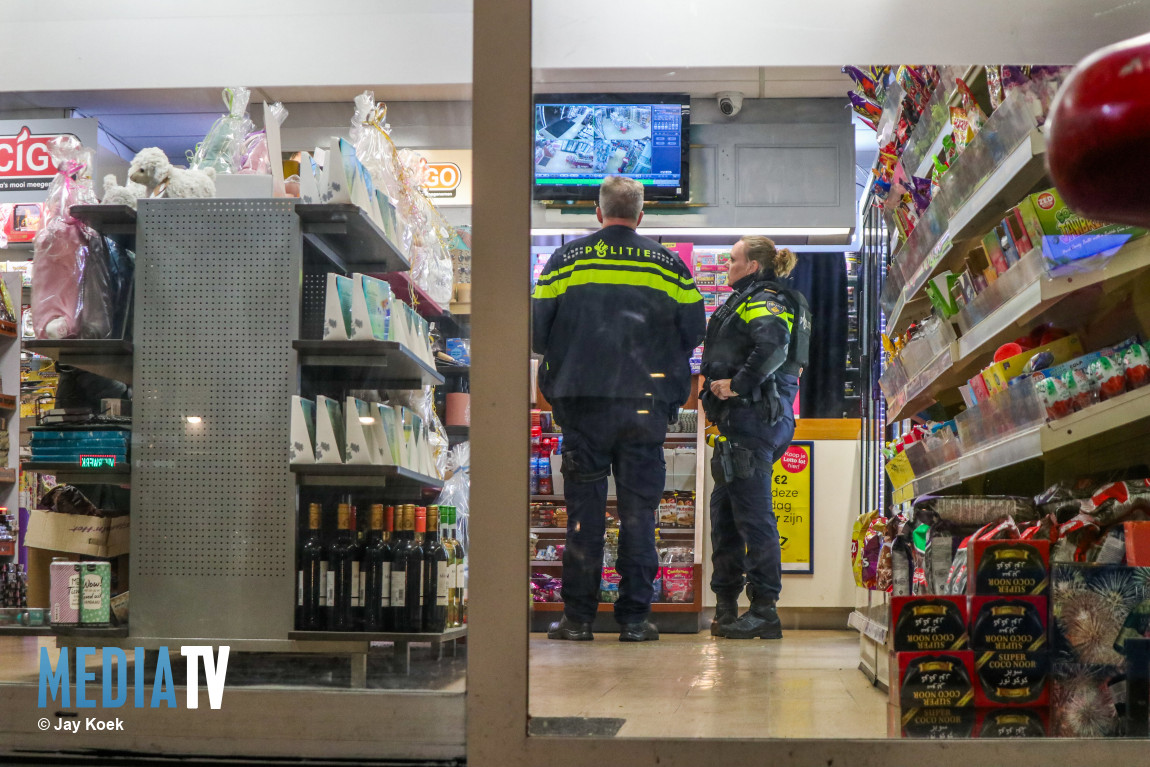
(1066, 236)
(1012, 723)
(1009, 568)
(1008, 624)
(928, 623)
(933, 680)
(1012, 679)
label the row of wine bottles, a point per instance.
(408, 575)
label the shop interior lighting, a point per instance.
(366, 420)
(194, 419)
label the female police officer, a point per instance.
(756, 346)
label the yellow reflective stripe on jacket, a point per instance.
(750, 312)
(595, 276)
(615, 277)
(594, 263)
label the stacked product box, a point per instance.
(1009, 634)
(976, 665)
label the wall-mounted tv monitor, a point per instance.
(580, 139)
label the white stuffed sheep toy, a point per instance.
(114, 194)
(151, 168)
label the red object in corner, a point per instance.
(1006, 351)
(1099, 130)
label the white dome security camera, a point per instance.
(730, 102)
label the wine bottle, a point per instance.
(435, 574)
(375, 565)
(459, 575)
(389, 541)
(414, 599)
(449, 547)
(359, 543)
(312, 575)
(400, 555)
(341, 574)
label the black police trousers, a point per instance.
(744, 531)
(601, 436)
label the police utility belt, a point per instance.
(732, 462)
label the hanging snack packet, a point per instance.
(974, 114)
(1137, 364)
(994, 81)
(950, 149)
(864, 106)
(866, 83)
(1108, 373)
(963, 134)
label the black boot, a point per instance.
(761, 621)
(726, 611)
(643, 631)
(570, 630)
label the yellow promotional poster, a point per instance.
(793, 493)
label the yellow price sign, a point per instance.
(792, 495)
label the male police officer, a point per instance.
(756, 348)
(615, 316)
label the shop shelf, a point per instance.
(346, 236)
(107, 219)
(398, 478)
(448, 369)
(398, 637)
(111, 358)
(7, 402)
(1118, 414)
(8, 330)
(864, 625)
(376, 361)
(546, 562)
(9, 476)
(404, 287)
(94, 632)
(606, 607)
(1034, 299)
(26, 631)
(71, 473)
(1002, 165)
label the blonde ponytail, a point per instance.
(762, 250)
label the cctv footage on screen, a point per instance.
(581, 144)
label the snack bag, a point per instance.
(864, 107)
(865, 82)
(872, 546)
(994, 82)
(974, 114)
(1137, 364)
(963, 134)
(1109, 375)
(860, 528)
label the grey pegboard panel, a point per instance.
(213, 504)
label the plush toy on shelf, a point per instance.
(114, 194)
(151, 168)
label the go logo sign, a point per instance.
(441, 179)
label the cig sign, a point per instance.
(26, 166)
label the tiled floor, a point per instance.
(806, 685)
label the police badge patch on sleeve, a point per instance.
(774, 307)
